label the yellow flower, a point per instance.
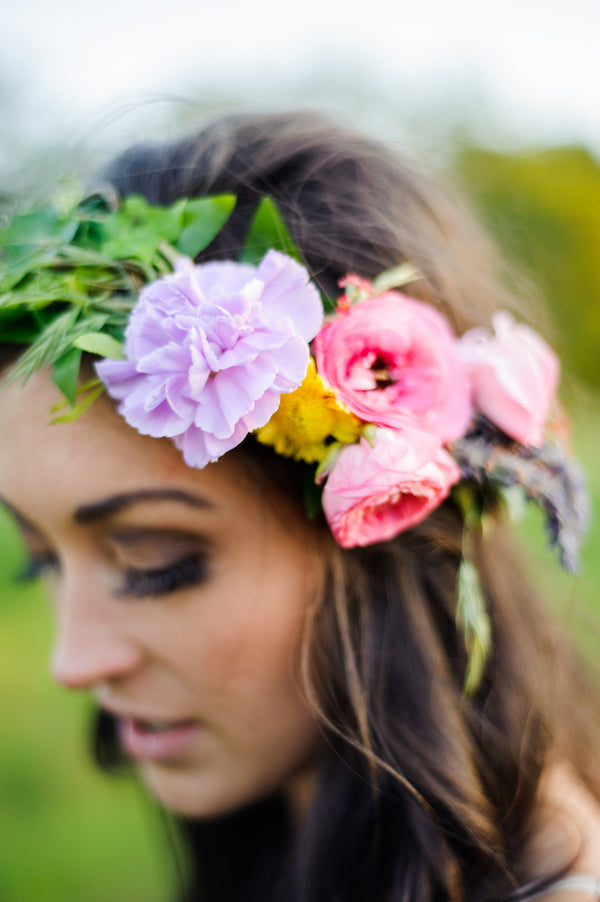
(308, 420)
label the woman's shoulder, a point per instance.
(567, 834)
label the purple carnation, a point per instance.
(211, 348)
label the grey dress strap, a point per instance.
(583, 883)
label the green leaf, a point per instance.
(56, 338)
(82, 405)
(137, 229)
(31, 261)
(48, 346)
(396, 277)
(472, 617)
(370, 433)
(89, 235)
(65, 373)
(101, 344)
(38, 231)
(329, 461)
(81, 390)
(17, 326)
(515, 501)
(268, 232)
(467, 496)
(312, 494)
(203, 220)
(329, 304)
(98, 202)
(18, 335)
(40, 291)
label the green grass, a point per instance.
(574, 599)
(70, 833)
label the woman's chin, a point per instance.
(200, 796)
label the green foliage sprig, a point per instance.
(71, 274)
(472, 617)
(70, 277)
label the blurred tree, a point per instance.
(543, 207)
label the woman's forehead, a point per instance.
(26, 414)
(67, 465)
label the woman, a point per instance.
(289, 586)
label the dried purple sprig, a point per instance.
(489, 458)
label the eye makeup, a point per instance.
(151, 561)
(37, 565)
(188, 571)
(40, 559)
(157, 562)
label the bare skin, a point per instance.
(566, 829)
(180, 597)
(213, 642)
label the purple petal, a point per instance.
(221, 279)
(262, 411)
(288, 292)
(210, 350)
(117, 376)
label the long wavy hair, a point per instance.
(423, 794)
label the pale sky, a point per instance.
(526, 64)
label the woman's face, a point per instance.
(180, 597)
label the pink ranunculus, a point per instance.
(514, 374)
(393, 362)
(375, 493)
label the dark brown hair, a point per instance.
(423, 794)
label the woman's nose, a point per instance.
(90, 648)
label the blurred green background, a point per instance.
(69, 833)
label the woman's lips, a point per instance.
(156, 740)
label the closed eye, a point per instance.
(38, 565)
(190, 570)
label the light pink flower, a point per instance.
(211, 348)
(375, 493)
(514, 374)
(393, 362)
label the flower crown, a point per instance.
(388, 407)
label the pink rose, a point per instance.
(375, 493)
(393, 362)
(514, 375)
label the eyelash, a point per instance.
(37, 566)
(190, 570)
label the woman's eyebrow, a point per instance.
(98, 510)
